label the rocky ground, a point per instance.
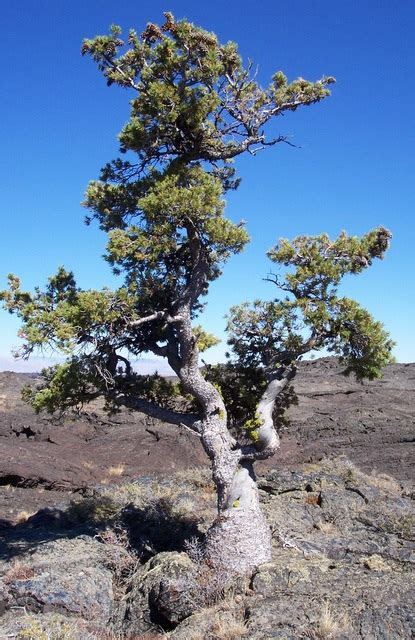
(44, 461)
(95, 515)
(113, 564)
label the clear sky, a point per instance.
(354, 169)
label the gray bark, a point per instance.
(239, 539)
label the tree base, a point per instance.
(239, 541)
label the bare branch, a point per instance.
(157, 315)
(193, 429)
(190, 421)
(117, 68)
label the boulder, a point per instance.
(158, 594)
(67, 576)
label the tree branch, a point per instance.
(268, 440)
(117, 68)
(157, 315)
(190, 421)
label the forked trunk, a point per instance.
(240, 538)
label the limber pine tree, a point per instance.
(195, 108)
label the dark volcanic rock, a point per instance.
(342, 566)
(65, 576)
(21, 625)
(78, 451)
(44, 460)
(371, 423)
(149, 603)
(343, 562)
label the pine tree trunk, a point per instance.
(240, 538)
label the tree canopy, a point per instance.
(196, 107)
(312, 315)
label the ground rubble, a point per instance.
(49, 460)
(114, 564)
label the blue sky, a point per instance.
(353, 169)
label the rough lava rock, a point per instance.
(46, 459)
(372, 423)
(343, 539)
(149, 602)
(65, 576)
(342, 567)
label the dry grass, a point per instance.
(352, 474)
(313, 499)
(23, 516)
(186, 500)
(399, 524)
(120, 558)
(59, 627)
(329, 626)
(381, 481)
(97, 509)
(18, 571)
(55, 628)
(116, 471)
(314, 467)
(195, 481)
(221, 627)
(88, 464)
(326, 527)
(200, 477)
(385, 482)
(375, 562)
(130, 492)
(229, 628)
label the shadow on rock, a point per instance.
(157, 527)
(149, 529)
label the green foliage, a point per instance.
(194, 108)
(97, 509)
(204, 339)
(53, 628)
(320, 263)
(241, 387)
(252, 426)
(156, 249)
(258, 330)
(312, 316)
(84, 378)
(195, 101)
(63, 386)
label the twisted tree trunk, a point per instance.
(239, 539)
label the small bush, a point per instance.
(329, 626)
(53, 629)
(18, 571)
(97, 509)
(23, 516)
(116, 471)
